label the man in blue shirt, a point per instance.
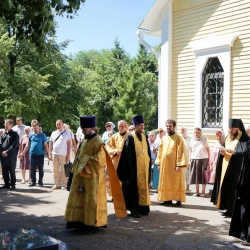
(37, 143)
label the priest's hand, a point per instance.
(4, 154)
(230, 151)
(177, 169)
(222, 152)
(118, 152)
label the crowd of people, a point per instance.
(30, 145)
(127, 163)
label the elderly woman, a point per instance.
(131, 128)
(199, 160)
(220, 137)
(109, 128)
(24, 159)
(187, 141)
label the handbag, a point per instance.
(207, 176)
(68, 168)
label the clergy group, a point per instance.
(122, 167)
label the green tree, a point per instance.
(116, 87)
(147, 62)
(99, 73)
(137, 95)
(40, 84)
(33, 20)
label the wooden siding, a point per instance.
(195, 20)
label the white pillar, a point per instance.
(165, 69)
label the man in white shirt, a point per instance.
(19, 127)
(59, 151)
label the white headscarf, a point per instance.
(66, 127)
(198, 139)
(186, 128)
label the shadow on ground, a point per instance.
(159, 230)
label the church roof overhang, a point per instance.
(153, 20)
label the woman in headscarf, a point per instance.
(187, 141)
(214, 154)
(199, 160)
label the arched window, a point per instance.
(212, 94)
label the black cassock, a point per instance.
(237, 163)
(235, 189)
(127, 173)
(240, 223)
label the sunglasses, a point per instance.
(108, 126)
(131, 129)
(159, 131)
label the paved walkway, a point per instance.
(195, 225)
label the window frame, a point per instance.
(213, 46)
(213, 94)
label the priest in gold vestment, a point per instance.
(171, 158)
(134, 170)
(114, 147)
(115, 143)
(86, 208)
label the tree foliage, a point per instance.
(116, 87)
(33, 19)
(38, 84)
(44, 84)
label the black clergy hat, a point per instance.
(138, 119)
(87, 121)
(234, 123)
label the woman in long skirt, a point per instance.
(24, 160)
(199, 161)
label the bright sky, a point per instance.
(99, 22)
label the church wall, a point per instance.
(195, 20)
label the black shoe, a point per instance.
(13, 187)
(135, 215)
(81, 230)
(92, 230)
(5, 187)
(226, 214)
(178, 204)
(32, 185)
(170, 203)
(40, 185)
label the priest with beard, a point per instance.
(240, 223)
(134, 170)
(86, 209)
(231, 168)
(114, 146)
(171, 159)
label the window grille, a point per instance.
(212, 94)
